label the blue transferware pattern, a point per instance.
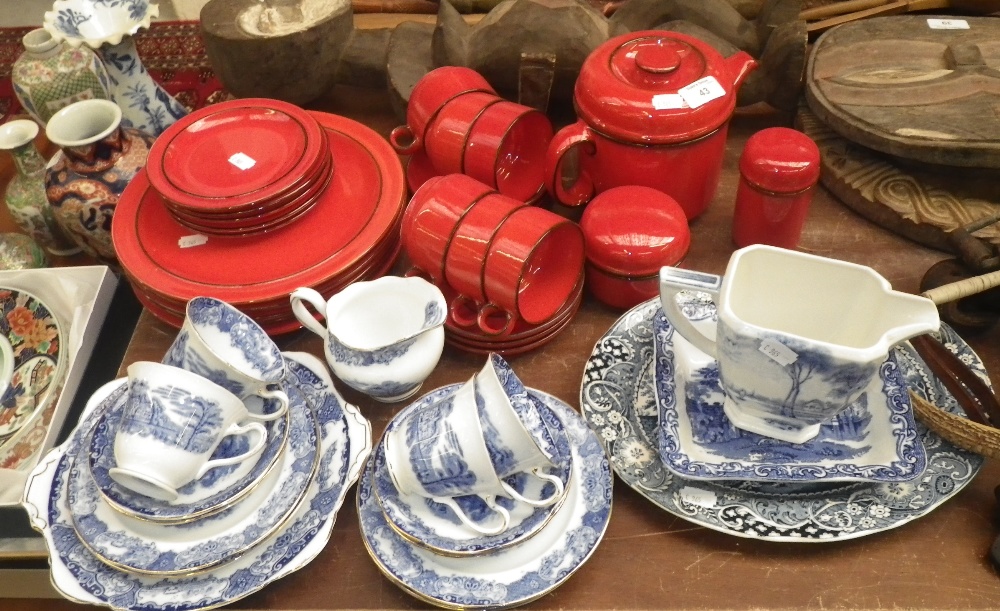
(435, 526)
(874, 439)
(170, 549)
(524, 406)
(173, 416)
(508, 577)
(435, 453)
(78, 575)
(618, 400)
(214, 491)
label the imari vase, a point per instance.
(25, 196)
(97, 160)
(50, 75)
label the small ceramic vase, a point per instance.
(25, 195)
(107, 26)
(98, 158)
(18, 251)
(50, 75)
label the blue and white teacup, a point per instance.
(437, 452)
(516, 437)
(171, 424)
(223, 344)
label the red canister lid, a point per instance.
(634, 231)
(780, 160)
(658, 87)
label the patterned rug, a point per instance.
(172, 51)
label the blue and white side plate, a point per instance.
(344, 444)
(217, 490)
(172, 549)
(618, 399)
(436, 527)
(511, 576)
(874, 439)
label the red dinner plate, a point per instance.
(362, 204)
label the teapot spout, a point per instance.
(739, 65)
(909, 316)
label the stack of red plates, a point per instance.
(241, 167)
(349, 233)
(521, 338)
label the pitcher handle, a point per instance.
(672, 281)
(312, 297)
(491, 502)
(575, 134)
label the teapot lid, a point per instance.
(658, 87)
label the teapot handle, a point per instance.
(312, 297)
(575, 134)
(674, 280)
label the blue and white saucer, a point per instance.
(874, 439)
(344, 445)
(510, 576)
(435, 526)
(217, 490)
(173, 549)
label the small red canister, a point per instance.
(631, 232)
(778, 173)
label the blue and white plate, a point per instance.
(218, 489)
(436, 527)
(344, 445)
(618, 400)
(172, 549)
(514, 575)
(874, 439)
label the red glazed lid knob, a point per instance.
(634, 231)
(780, 160)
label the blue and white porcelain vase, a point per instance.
(107, 27)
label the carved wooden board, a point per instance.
(920, 203)
(900, 86)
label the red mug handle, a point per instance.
(575, 134)
(404, 140)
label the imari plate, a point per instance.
(618, 399)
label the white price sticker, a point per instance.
(192, 240)
(668, 101)
(947, 24)
(700, 498)
(702, 91)
(242, 161)
(778, 352)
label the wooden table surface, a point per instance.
(648, 557)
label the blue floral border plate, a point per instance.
(874, 439)
(79, 576)
(217, 490)
(618, 400)
(511, 576)
(435, 526)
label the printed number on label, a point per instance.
(192, 240)
(948, 24)
(702, 91)
(778, 352)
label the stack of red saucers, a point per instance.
(200, 228)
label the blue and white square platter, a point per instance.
(874, 439)
(618, 400)
(344, 445)
(513, 575)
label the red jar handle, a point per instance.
(576, 134)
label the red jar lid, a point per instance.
(638, 87)
(634, 231)
(780, 160)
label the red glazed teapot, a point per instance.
(654, 109)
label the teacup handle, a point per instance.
(404, 140)
(575, 134)
(674, 280)
(491, 502)
(299, 298)
(238, 429)
(552, 498)
(280, 396)
(465, 312)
